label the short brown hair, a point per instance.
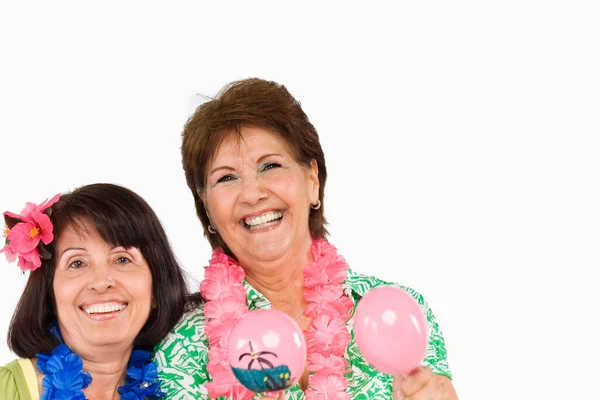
(122, 218)
(255, 103)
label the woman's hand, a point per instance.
(423, 384)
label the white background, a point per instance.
(461, 140)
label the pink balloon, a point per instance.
(391, 330)
(267, 351)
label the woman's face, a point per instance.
(258, 197)
(103, 294)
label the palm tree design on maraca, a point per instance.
(272, 378)
(257, 357)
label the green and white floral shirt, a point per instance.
(182, 356)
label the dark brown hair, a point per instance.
(253, 103)
(122, 218)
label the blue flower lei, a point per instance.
(65, 377)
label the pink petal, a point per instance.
(336, 309)
(314, 275)
(331, 364)
(30, 261)
(328, 268)
(323, 293)
(322, 248)
(48, 203)
(225, 384)
(218, 360)
(212, 290)
(29, 207)
(216, 329)
(332, 386)
(11, 256)
(327, 335)
(227, 307)
(314, 395)
(219, 257)
(241, 393)
(45, 226)
(15, 216)
(223, 271)
(19, 238)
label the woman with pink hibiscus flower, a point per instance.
(256, 170)
(104, 288)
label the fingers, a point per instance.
(414, 382)
(397, 395)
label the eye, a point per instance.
(76, 264)
(269, 166)
(226, 178)
(123, 260)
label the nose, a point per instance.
(252, 191)
(101, 279)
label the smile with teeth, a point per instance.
(263, 221)
(103, 308)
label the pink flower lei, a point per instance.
(327, 336)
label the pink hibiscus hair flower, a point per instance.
(27, 233)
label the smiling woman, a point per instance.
(247, 169)
(103, 292)
(92, 307)
(256, 170)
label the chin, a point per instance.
(269, 252)
(109, 339)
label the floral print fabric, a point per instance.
(182, 356)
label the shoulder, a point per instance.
(360, 284)
(12, 382)
(10, 371)
(436, 356)
(181, 357)
(189, 331)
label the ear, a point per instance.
(314, 181)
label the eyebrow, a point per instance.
(223, 167)
(83, 248)
(228, 168)
(71, 248)
(269, 155)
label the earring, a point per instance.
(316, 206)
(211, 229)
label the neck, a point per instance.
(107, 374)
(108, 371)
(282, 281)
(328, 336)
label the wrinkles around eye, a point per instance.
(269, 166)
(225, 178)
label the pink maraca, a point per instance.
(391, 330)
(267, 351)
